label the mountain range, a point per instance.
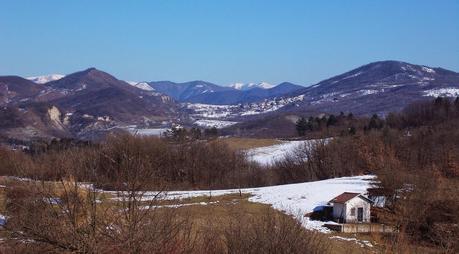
(84, 103)
(209, 93)
(379, 87)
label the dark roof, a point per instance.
(346, 196)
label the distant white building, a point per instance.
(351, 207)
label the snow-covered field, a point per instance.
(267, 155)
(214, 123)
(293, 199)
(148, 132)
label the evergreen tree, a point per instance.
(302, 126)
(375, 123)
(331, 120)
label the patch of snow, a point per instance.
(148, 132)
(362, 243)
(45, 78)
(207, 91)
(348, 77)
(427, 79)
(141, 85)
(248, 86)
(429, 70)
(353, 75)
(442, 92)
(368, 92)
(214, 123)
(268, 155)
(180, 205)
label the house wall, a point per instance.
(339, 211)
(356, 203)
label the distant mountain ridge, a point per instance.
(378, 87)
(83, 103)
(209, 93)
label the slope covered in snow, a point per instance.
(269, 154)
(248, 86)
(293, 199)
(208, 123)
(142, 85)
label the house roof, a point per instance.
(346, 196)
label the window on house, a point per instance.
(352, 211)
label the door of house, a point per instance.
(360, 214)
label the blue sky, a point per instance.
(224, 41)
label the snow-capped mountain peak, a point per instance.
(141, 85)
(45, 78)
(248, 86)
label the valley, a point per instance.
(91, 103)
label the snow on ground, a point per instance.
(148, 132)
(248, 86)
(214, 123)
(293, 199)
(362, 243)
(267, 155)
(444, 92)
(141, 85)
(180, 205)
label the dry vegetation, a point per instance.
(65, 217)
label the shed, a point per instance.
(350, 207)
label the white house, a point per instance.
(350, 207)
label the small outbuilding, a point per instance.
(350, 207)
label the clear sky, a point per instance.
(224, 41)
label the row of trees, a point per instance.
(311, 124)
(414, 115)
(197, 164)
